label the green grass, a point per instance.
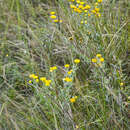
(30, 43)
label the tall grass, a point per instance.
(30, 43)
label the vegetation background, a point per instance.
(31, 43)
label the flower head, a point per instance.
(101, 59)
(37, 80)
(97, 9)
(121, 84)
(82, 22)
(35, 77)
(69, 72)
(99, 1)
(47, 82)
(43, 79)
(53, 16)
(98, 55)
(77, 61)
(94, 60)
(30, 81)
(32, 76)
(78, 1)
(67, 66)
(60, 21)
(53, 68)
(72, 100)
(55, 20)
(67, 79)
(82, 3)
(52, 13)
(77, 126)
(96, 4)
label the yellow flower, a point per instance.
(47, 82)
(30, 81)
(72, 6)
(69, 72)
(99, 1)
(77, 126)
(60, 21)
(78, 1)
(77, 61)
(85, 21)
(121, 84)
(80, 6)
(67, 79)
(75, 97)
(53, 16)
(93, 11)
(7, 55)
(52, 13)
(56, 20)
(43, 79)
(98, 55)
(89, 14)
(37, 80)
(85, 11)
(67, 66)
(32, 76)
(72, 100)
(53, 68)
(35, 77)
(96, 4)
(97, 9)
(94, 60)
(101, 59)
(79, 11)
(98, 14)
(82, 3)
(82, 22)
(87, 7)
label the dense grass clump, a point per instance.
(64, 65)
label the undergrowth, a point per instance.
(64, 65)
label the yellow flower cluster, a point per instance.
(54, 18)
(84, 8)
(69, 72)
(45, 81)
(36, 78)
(80, 7)
(73, 99)
(33, 76)
(67, 79)
(53, 68)
(98, 59)
(95, 11)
